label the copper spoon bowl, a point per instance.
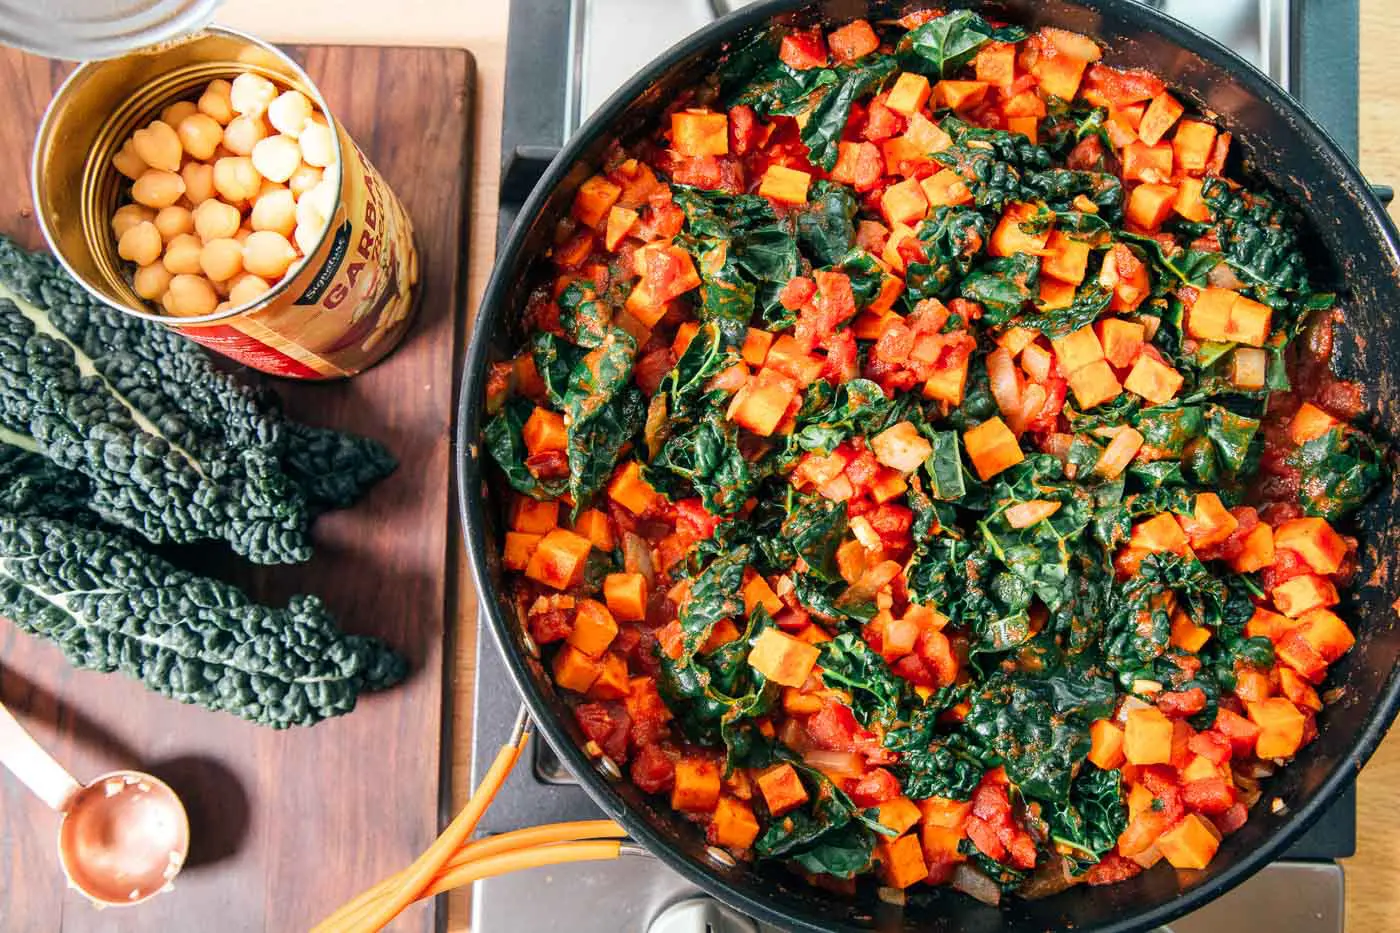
(124, 835)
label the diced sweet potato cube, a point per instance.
(1303, 593)
(1067, 258)
(904, 202)
(945, 188)
(761, 404)
(1249, 367)
(891, 254)
(559, 559)
(888, 485)
(697, 785)
(626, 596)
(1147, 737)
(621, 222)
(1249, 322)
(1054, 294)
(1270, 625)
(1119, 453)
(1078, 349)
(518, 548)
(1153, 380)
(1058, 75)
(756, 344)
(1142, 162)
(595, 197)
(614, 682)
(1298, 691)
(1106, 744)
(901, 447)
(992, 447)
(1327, 633)
(1121, 340)
(574, 670)
(1161, 113)
(1294, 651)
(858, 164)
(1094, 384)
(926, 136)
(544, 430)
(782, 659)
(1210, 522)
(788, 185)
(1310, 423)
(733, 825)
(1190, 202)
(1310, 538)
(1008, 238)
(901, 156)
(960, 95)
(909, 94)
(593, 525)
(1258, 550)
(1027, 126)
(1193, 143)
(902, 862)
(594, 628)
(781, 788)
(722, 633)
(534, 515)
(868, 325)
(1187, 635)
(797, 703)
(787, 356)
(1015, 339)
(1160, 533)
(996, 64)
(698, 133)
(900, 814)
(1192, 843)
(757, 592)
(630, 489)
(948, 383)
(1280, 727)
(1150, 205)
(1199, 768)
(1209, 317)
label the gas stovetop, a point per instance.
(565, 57)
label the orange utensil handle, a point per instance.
(35, 767)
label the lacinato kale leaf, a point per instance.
(714, 595)
(1258, 237)
(583, 316)
(706, 456)
(554, 359)
(1339, 471)
(827, 120)
(857, 406)
(952, 239)
(848, 663)
(812, 530)
(1090, 821)
(946, 43)
(826, 225)
(505, 443)
(1002, 286)
(604, 412)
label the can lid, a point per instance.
(82, 30)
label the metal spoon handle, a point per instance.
(32, 765)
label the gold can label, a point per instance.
(347, 306)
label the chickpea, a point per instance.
(243, 133)
(304, 179)
(128, 162)
(182, 254)
(199, 182)
(251, 94)
(141, 244)
(267, 253)
(151, 282)
(200, 134)
(317, 145)
(174, 220)
(191, 295)
(159, 146)
(178, 111)
(157, 188)
(247, 287)
(321, 199)
(221, 259)
(216, 102)
(215, 220)
(243, 233)
(128, 216)
(289, 112)
(308, 236)
(236, 179)
(277, 157)
(275, 210)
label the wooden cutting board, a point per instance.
(286, 825)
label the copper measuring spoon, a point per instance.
(124, 835)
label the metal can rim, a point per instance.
(151, 25)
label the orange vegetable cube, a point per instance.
(783, 659)
(1150, 205)
(1192, 843)
(787, 356)
(1294, 651)
(788, 185)
(902, 862)
(1055, 294)
(1310, 423)
(1327, 633)
(891, 255)
(904, 203)
(544, 430)
(1258, 550)
(996, 64)
(1161, 113)
(992, 447)
(621, 222)
(594, 628)
(559, 559)
(1249, 367)
(1209, 317)
(756, 344)
(684, 335)
(1159, 533)
(1139, 801)
(1304, 592)
(1280, 727)
(697, 133)
(1249, 322)
(1121, 340)
(1192, 143)
(667, 263)
(613, 681)
(1119, 453)
(1312, 539)
(926, 136)
(1199, 768)
(574, 670)
(1298, 691)
(626, 596)
(944, 188)
(1078, 349)
(1190, 202)
(722, 633)
(1072, 44)
(909, 94)
(518, 548)
(1187, 635)
(595, 197)
(533, 515)
(947, 384)
(733, 825)
(945, 812)
(1268, 625)
(1094, 384)
(593, 525)
(797, 703)
(1058, 75)
(1106, 744)
(630, 489)
(1155, 381)
(1144, 162)
(761, 404)
(1067, 258)
(960, 95)
(900, 814)
(1008, 237)
(697, 785)
(781, 788)
(1028, 127)
(1147, 737)
(757, 592)
(1210, 522)
(852, 41)
(891, 287)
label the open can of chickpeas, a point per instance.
(204, 184)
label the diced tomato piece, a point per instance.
(693, 520)
(647, 711)
(882, 123)
(841, 358)
(1212, 746)
(984, 836)
(1232, 819)
(833, 727)
(1111, 869)
(797, 292)
(550, 626)
(653, 771)
(1211, 796)
(743, 130)
(652, 367)
(607, 724)
(1179, 704)
(803, 49)
(915, 670)
(874, 788)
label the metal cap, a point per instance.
(82, 30)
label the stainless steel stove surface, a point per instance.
(565, 57)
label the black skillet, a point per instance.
(1353, 245)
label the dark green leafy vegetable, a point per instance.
(827, 120)
(946, 43)
(1092, 818)
(1339, 471)
(848, 663)
(506, 445)
(585, 319)
(604, 411)
(1003, 286)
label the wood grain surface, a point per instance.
(287, 825)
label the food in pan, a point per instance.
(923, 462)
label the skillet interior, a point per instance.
(1354, 248)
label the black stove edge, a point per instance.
(1325, 80)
